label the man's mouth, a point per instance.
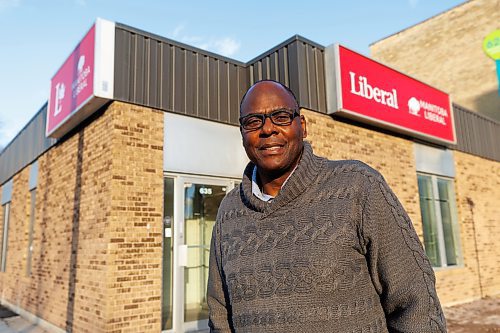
(271, 147)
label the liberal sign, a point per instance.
(365, 90)
(84, 82)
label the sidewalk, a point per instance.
(482, 316)
(13, 323)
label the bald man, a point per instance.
(306, 244)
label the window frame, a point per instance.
(29, 256)
(439, 220)
(5, 236)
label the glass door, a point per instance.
(195, 202)
(200, 211)
(168, 217)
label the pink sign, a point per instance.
(374, 93)
(73, 84)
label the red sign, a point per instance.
(371, 92)
(73, 84)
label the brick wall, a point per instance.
(445, 51)
(476, 178)
(391, 156)
(478, 196)
(134, 268)
(97, 236)
(477, 190)
(18, 237)
(98, 225)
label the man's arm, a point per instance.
(217, 294)
(400, 270)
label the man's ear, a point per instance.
(303, 124)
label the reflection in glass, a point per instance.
(201, 205)
(445, 189)
(429, 223)
(168, 218)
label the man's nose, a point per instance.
(268, 128)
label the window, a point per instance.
(32, 187)
(439, 220)
(30, 234)
(6, 197)
(5, 236)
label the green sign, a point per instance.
(491, 45)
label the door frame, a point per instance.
(179, 254)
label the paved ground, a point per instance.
(481, 316)
(13, 323)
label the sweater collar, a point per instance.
(303, 176)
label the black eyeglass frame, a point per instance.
(263, 116)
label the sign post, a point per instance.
(491, 46)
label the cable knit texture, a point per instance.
(333, 252)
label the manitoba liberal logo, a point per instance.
(361, 87)
(80, 83)
(414, 106)
(77, 85)
(431, 112)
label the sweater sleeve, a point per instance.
(217, 293)
(399, 268)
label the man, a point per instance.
(306, 244)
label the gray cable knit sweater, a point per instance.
(333, 252)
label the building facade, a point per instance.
(107, 228)
(446, 51)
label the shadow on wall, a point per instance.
(489, 104)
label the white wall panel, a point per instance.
(202, 147)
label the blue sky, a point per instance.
(36, 36)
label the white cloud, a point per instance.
(413, 3)
(178, 29)
(6, 4)
(227, 46)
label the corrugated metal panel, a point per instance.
(164, 74)
(198, 83)
(476, 134)
(297, 63)
(25, 147)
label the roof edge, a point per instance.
(24, 127)
(477, 114)
(179, 44)
(283, 44)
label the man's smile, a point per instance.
(272, 147)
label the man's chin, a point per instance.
(273, 170)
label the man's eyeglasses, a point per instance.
(255, 121)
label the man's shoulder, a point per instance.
(353, 168)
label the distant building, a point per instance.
(446, 51)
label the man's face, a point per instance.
(274, 149)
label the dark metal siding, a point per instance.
(297, 63)
(476, 134)
(157, 72)
(25, 147)
(163, 74)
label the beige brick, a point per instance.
(477, 180)
(87, 185)
(445, 51)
